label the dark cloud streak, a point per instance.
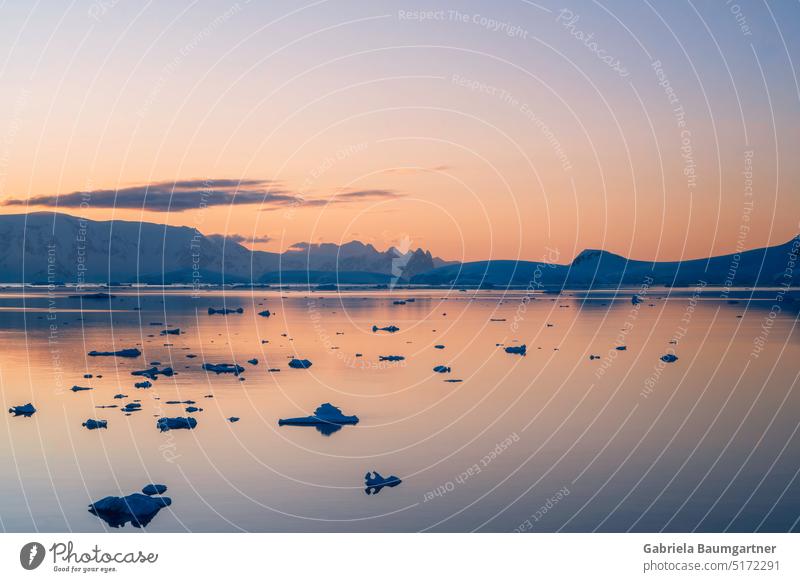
(170, 196)
(193, 194)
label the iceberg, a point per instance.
(138, 509)
(126, 353)
(327, 419)
(93, 424)
(153, 372)
(374, 482)
(234, 369)
(224, 311)
(389, 328)
(25, 410)
(669, 358)
(521, 350)
(442, 370)
(300, 364)
(154, 489)
(165, 423)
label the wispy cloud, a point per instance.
(346, 198)
(416, 170)
(171, 196)
(192, 194)
(365, 194)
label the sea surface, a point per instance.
(555, 440)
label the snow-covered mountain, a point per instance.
(54, 247)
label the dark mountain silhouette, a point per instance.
(357, 256)
(43, 247)
(771, 266)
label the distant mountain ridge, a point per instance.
(770, 266)
(44, 247)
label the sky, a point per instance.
(658, 130)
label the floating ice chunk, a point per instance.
(93, 424)
(234, 369)
(224, 311)
(374, 482)
(126, 353)
(300, 364)
(327, 419)
(389, 328)
(154, 489)
(153, 372)
(521, 350)
(138, 509)
(24, 410)
(165, 423)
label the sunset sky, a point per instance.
(474, 129)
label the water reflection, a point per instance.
(705, 442)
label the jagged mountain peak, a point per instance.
(131, 251)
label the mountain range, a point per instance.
(764, 267)
(42, 247)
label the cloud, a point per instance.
(416, 170)
(347, 197)
(171, 196)
(365, 194)
(193, 194)
(240, 238)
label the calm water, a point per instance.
(550, 441)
